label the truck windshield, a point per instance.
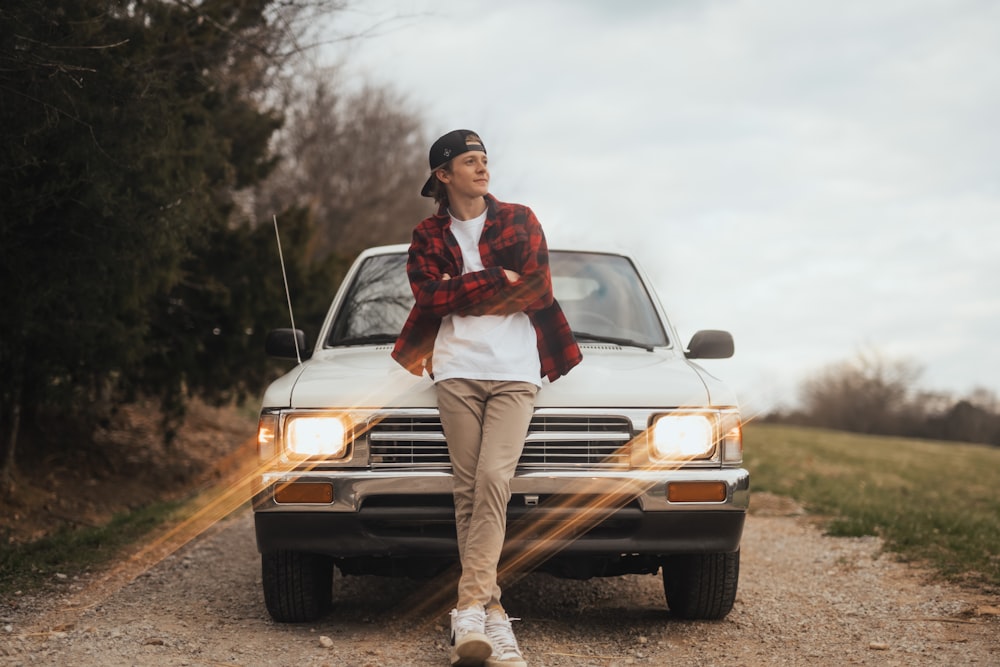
(601, 294)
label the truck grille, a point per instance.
(553, 442)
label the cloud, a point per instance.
(815, 176)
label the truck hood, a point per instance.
(609, 376)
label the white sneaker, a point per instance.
(469, 644)
(506, 652)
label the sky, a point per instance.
(820, 178)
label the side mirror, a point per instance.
(710, 344)
(282, 343)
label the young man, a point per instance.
(486, 328)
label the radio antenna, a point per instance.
(288, 296)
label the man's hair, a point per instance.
(438, 190)
(473, 138)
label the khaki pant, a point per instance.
(485, 423)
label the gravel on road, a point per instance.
(804, 599)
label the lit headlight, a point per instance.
(317, 436)
(681, 437)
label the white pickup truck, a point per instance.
(632, 462)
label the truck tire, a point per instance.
(701, 586)
(298, 587)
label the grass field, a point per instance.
(932, 502)
(31, 566)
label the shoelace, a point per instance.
(468, 620)
(502, 635)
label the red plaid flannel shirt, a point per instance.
(512, 239)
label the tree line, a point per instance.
(145, 148)
(876, 395)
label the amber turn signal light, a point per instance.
(696, 492)
(304, 492)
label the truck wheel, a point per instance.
(701, 586)
(298, 587)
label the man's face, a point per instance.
(469, 177)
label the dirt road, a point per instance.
(804, 599)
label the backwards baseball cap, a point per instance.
(447, 147)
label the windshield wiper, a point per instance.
(627, 342)
(370, 339)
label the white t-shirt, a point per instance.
(484, 347)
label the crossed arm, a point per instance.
(440, 290)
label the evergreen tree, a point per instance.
(124, 127)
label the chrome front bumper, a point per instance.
(399, 514)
